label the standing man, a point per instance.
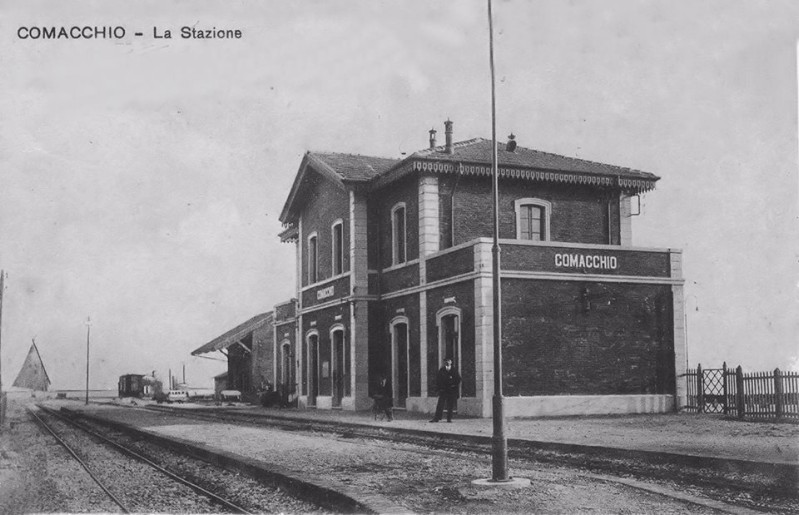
(447, 381)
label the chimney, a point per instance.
(432, 139)
(510, 146)
(448, 134)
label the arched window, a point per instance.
(398, 234)
(337, 236)
(532, 219)
(313, 258)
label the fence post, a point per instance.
(739, 391)
(700, 389)
(724, 386)
(778, 400)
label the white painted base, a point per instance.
(539, 406)
(562, 405)
(421, 404)
(324, 402)
(511, 484)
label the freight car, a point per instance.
(131, 385)
(141, 386)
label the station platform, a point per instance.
(687, 434)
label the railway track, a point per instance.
(136, 483)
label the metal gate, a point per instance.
(708, 390)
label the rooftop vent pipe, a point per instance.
(448, 134)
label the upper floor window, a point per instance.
(313, 258)
(532, 219)
(337, 233)
(398, 234)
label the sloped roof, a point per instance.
(479, 150)
(352, 167)
(234, 335)
(338, 168)
(474, 157)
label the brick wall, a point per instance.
(587, 338)
(286, 333)
(399, 279)
(262, 355)
(286, 311)
(325, 319)
(380, 347)
(579, 213)
(380, 203)
(452, 263)
(464, 299)
(325, 203)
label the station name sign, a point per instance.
(325, 292)
(586, 261)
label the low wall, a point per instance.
(567, 405)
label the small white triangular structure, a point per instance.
(33, 375)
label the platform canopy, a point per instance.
(235, 335)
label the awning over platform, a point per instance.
(235, 335)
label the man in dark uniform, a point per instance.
(447, 381)
(384, 401)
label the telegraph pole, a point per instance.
(500, 442)
(499, 458)
(88, 332)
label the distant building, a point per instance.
(394, 267)
(33, 375)
(249, 349)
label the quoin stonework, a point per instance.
(393, 266)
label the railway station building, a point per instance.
(393, 267)
(394, 274)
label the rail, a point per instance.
(82, 463)
(126, 450)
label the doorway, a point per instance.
(400, 362)
(286, 375)
(449, 338)
(339, 366)
(313, 369)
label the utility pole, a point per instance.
(88, 331)
(499, 457)
(500, 441)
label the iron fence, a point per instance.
(751, 395)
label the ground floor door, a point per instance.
(286, 378)
(400, 364)
(313, 369)
(338, 367)
(450, 338)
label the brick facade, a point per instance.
(326, 203)
(586, 338)
(584, 312)
(579, 214)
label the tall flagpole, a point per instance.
(500, 441)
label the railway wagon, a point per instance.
(133, 385)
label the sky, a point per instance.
(141, 179)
